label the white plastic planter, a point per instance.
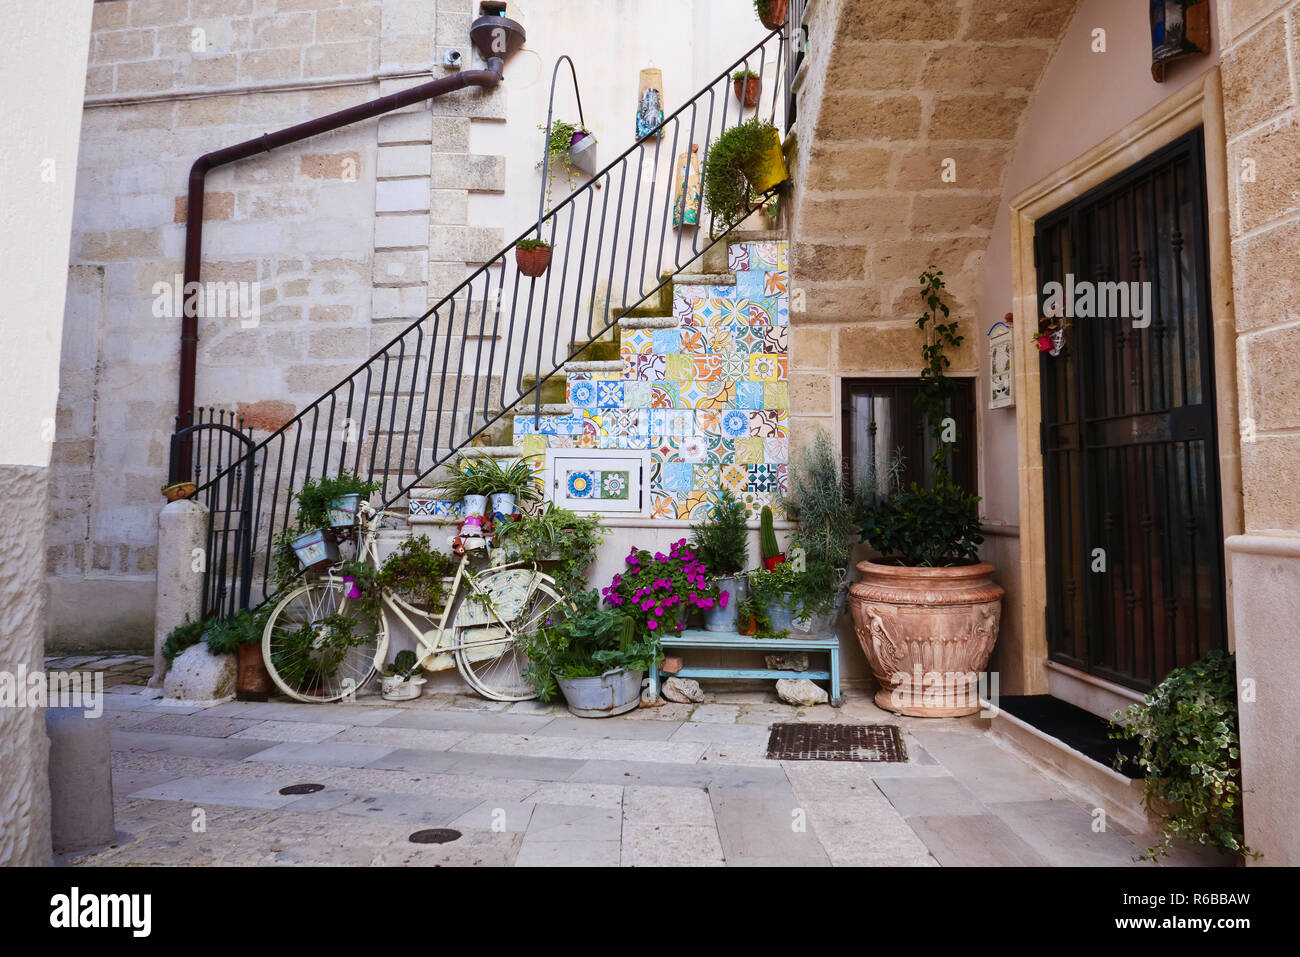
(582, 153)
(476, 505)
(503, 503)
(397, 688)
(314, 548)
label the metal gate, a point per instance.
(1135, 582)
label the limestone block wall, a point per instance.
(1261, 103)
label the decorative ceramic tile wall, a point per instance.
(708, 398)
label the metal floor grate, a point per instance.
(836, 742)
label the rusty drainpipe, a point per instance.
(486, 79)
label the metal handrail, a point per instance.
(449, 376)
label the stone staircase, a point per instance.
(613, 357)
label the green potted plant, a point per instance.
(927, 601)
(333, 501)
(793, 596)
(401, 680)
(564, 540)
(471, 481)
(752, 617)
(241, 635)
(722, 544)
(532, 256)
(595, 657)
(309, 656)
(768, 549)
(1188, 745)
(509, 484)
(312, 546)
(571, 147)
(744, 163)
(771, 12)
(748, 86)
(181, 637)
(416, 571)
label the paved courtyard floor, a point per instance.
(528, 784)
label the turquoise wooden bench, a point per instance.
(731, 641)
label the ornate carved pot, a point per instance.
(927, 634)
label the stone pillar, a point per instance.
(81, 780)
(182, 528)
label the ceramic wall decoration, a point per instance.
(650, 103)
(686, 202)
(1001, 366)
(1179, 28)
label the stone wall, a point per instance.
(1261, 98)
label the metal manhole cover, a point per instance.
(435, 835)
(836, 742)
(302, 789)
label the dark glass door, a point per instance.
(1131, 478)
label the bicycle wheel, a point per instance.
(315, 647)
(487, 655)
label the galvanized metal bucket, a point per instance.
(612, 693)
(718, 618)
(780, 613)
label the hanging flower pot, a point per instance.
(582, 152)
(254, 681)
(315, 548)
(532, 256)
(772, 12)
(766, 167)
(748, 87)
(343, 511)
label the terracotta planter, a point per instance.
(775, 14)
(927, 634)
(178, 490)
(748, 90)
(533, 262)
(254, 681)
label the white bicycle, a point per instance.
(318, 648)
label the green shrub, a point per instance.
(722, 542)
(922, 527)
(554, 534)
(315, 496)
(244, 627)
(182, 637)
(816, 500)
(1187, 735)
(727, 191)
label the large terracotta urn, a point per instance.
(927, 634)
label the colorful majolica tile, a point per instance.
(748, 339)
(635, 342)
(684, 311)
(635, 442)
(694, 341)
(749, 284)
(755, 312)
(648, 368)
(593, 422)
(762, 478)
(776, 339)
(749, 451)
(662, 505)
(708, 368)
(738, 257)
(690, 292)
(764, 256)
(636, 394)
(766, 423)
(672, 422)
(608, 375)
(776, 395)
(720, 340)
(749, 395)
(581, 483)
(764, 367)
(586, 441)
(734, 424)
(582, 394)
(692, 392)
(614, 485)
(783, 311)
(776, 282)
(677, 476)
(706, 312)
(718, 394)
(754, 501)
(706, 478)
(679, 367)
(667, 341)
(735, 365)
(782, 255)
(621, 422)
(693, 505)
(532, 445)
(783, 478)
(609, 394)
(693, 449)
(561, 442)
(776, 451)
(708, 421)
(734, 477)
(664, 395)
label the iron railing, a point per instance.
(451, 375)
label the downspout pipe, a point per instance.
(192, 292)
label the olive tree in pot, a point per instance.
(927, 611)
(722, 544)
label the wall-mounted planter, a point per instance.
(767, 169)
(582, 152)
(748, 89)
(533, 262)
(774, 18)
(315, 548)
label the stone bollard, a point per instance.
(81, 780)
(182, 527)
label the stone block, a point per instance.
(1264, 271)
(402, 231)
(397, 161)
(81, 780)
(1018, 19)
(1275, 193)
(200, 677)
(848, 117)
(976, 116)
(1256, 78)
(402, 195)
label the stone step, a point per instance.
(650, 322)
(547, 408)
(554, 389)
(707, 279)
(610, 366)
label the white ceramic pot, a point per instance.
(582, 154)
(476, 505)
(503, 503)
(396, 688)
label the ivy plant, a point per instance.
(244, 627)
(1188, 745)
(558, 145)
(936, 392)
(564, 539)
(316, 495)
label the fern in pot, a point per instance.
(722, 544)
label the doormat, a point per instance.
(836, 742)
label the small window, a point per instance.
(591, 480)
(881, 420)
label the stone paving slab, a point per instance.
(670, 845)
(1063, 833)
(930, 796)
(310, 732)
(974, 840)
(993, 775)
(761, 827)
(665, 805)
(467, 721)
(338, 753)
(570, 727)
(569, 853)
(190, 745)
(866, 831)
